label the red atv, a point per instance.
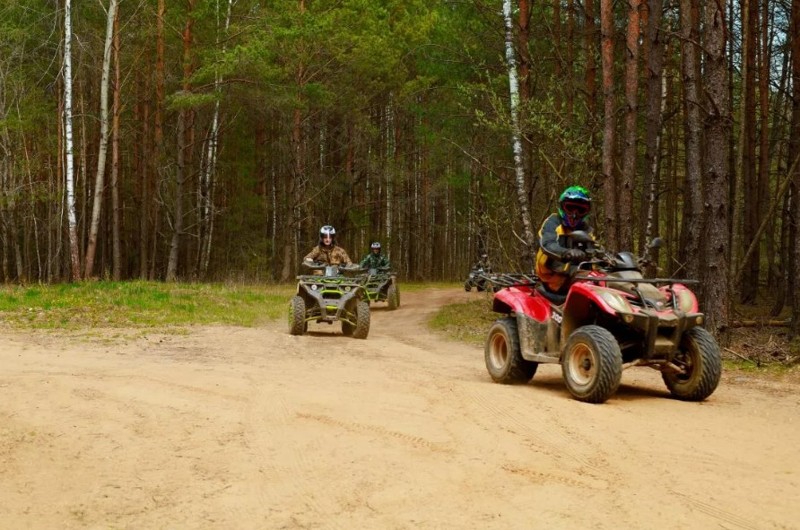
(611, 318)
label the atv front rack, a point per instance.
(633, 280)
(642, 299)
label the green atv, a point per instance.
(381, 286)
(330, 294)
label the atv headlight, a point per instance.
(347, 289)
(314, 287)
(616, 301)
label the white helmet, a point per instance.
(327, 230)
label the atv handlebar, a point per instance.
(332, 270)
(603, 260)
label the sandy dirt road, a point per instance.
(253, 428)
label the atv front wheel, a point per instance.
(362, 320)
(592, 364)
(392, 297)
(502, 354)
(297, 316)
(701, 361)
(467, 286)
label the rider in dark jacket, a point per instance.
(483, 263)
(375, 260)
(557, 253)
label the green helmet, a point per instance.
(574, 205)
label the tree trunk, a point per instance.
(75, 260)
(716, 297)
(144, 193)
(184, 144)
(558, 62)
(590, 79)
(116, 243)
(160, 75)
(151, 179)
(794, 151)
(177, 221)
(296, 181)
(569, 97)
(656, 102)
(207, 182)
(6, 150)
(610, 191)
(516, 133)
(764, 59)
(747, 147)
(526, 86)
(693, 205)
(631, 111)
(776, 281)
(523, 39)
(104, 133)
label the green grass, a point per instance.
(140, 305)
(467, 322)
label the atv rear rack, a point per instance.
(509, 279)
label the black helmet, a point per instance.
(375, 245)
(327, 230)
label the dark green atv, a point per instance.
(329, 295)
(381, 286)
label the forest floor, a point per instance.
(229, 427)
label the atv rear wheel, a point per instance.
(701, 360)
(362, 320)
(592, 364)
(502, 354)
(297, 316)
(393, 297)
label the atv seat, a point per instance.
(557, 299)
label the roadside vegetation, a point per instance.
(467, 321)
(139, 304)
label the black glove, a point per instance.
(575, 255)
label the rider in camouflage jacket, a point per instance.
(326, 251)
(375, 260)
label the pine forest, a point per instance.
(208, 140)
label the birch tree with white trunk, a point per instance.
(72, 218)
(516, 131)
(207, 184)
(104, 134)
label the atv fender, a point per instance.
(521, 300)
(538, 341)
(581, 307)
(537, 323)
